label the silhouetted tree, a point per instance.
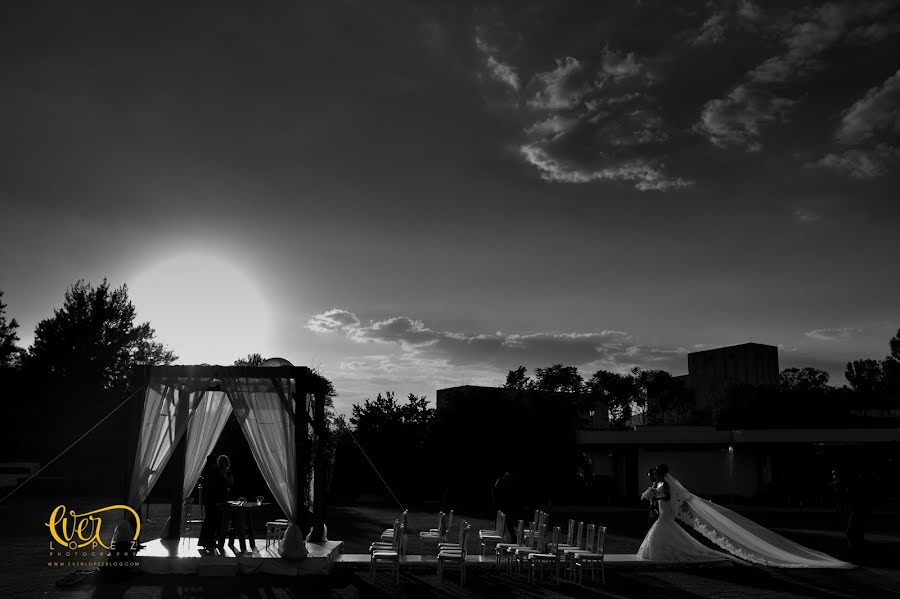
(618, 390)
(396, 438)
(10, 353)
(250, 360)
(558, 378)
(802, 379)
(92, 340)
(662, 398)
(865, 376)
(891, 368)
(517, 379)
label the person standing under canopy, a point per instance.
(217, 479)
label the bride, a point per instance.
(740, 537)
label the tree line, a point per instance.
(91, 342)
(802, 396)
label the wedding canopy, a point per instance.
(281, 411)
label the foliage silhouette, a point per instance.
(92, 341)
(10, 353)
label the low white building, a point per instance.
(792, 465)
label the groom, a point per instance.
(653, 513)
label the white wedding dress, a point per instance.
(740, 537)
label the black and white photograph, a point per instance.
(554, 299)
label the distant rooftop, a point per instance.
(747, 345)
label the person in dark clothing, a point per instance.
(857, 505)
(504, 497)
(653, 512)
(213, 494)
(217, 482)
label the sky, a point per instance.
(414, 195)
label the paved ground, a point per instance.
(24, 571)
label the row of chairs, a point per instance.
(582, 548)
(389, 552)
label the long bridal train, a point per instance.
(740, 537)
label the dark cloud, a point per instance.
(727, 16)
(862, 163)
(401, 329)
(738, 118)
(760, 99)
(590, 130)
(876, 113)
(493, 352)
(869, 134)
(604, 113)
(588, 118)
(562, 88)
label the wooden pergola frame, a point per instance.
(306, 383)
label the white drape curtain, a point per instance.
(205, 428)
(267, 419)
(161, 429)
(269, 429)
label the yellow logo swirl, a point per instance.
(75, 531)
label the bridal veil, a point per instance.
(742, 537)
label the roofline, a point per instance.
(737, 436)
(775, 347)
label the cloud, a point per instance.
(726, 16)
(862, 163)
(551, 127)
(503, 72)
(333, 320)
(806, 216)
(736, 120)
(400, 329)
(498, 351)
(562, 88)
(869, 133)
(814, 32)
(584, 127)
(642, 173)
(572, 81)
(877, 111)
(865, 35)
(832, 334)
(497, 69)
(412, 357)
(619, 65)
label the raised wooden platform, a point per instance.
(185, 557)
(615, 561)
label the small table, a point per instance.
(240, 514)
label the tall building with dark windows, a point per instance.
(711, 370)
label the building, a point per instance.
(780, 466)
(711, 370)
(482, 432)
(777, 465)
(485, 426)
(478, 398)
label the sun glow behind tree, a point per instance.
(204, 306)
